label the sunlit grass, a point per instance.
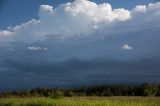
(82, 101)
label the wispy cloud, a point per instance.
(126, 47)
(36, 48)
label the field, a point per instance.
(82, 101)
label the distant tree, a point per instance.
(104, 90)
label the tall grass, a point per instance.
(81, 101)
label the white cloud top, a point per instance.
(46, 8)
(81, 17)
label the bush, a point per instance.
(69, 93)
(57, 94)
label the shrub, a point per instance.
(56, 94)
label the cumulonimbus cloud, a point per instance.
(82, 42)
(82, 17)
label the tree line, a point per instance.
(103, 90)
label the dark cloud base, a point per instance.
(75, 72)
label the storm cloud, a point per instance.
(82, 43)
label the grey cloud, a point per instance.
(79, 72)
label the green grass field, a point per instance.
(82, 101)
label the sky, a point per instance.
(48, 43)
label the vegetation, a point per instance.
(104, 90)
(105, 95)
(82, 101)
